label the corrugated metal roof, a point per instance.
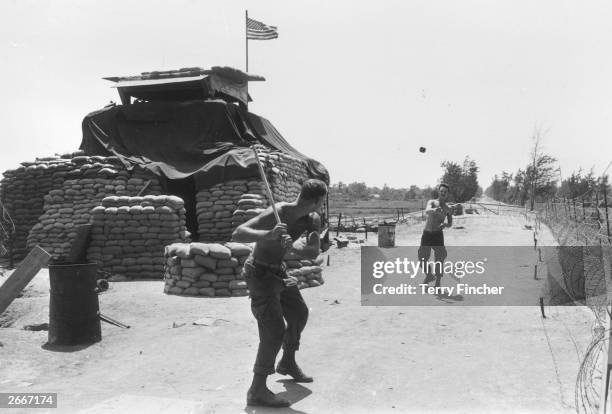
(183, 75)
(145, 82)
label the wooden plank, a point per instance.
(22, 275)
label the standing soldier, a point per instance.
(433, 238)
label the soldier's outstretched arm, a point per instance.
(259, 228)
(431, 207)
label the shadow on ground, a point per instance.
(65, 348)
(293, 392)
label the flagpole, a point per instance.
(246, 37)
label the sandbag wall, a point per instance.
(129, 234)
(22, 194)
(77, 185)
(214, 269)
(224, 206)
(285, 174)
(309, 273)
(216, 206)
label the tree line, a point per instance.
(462, 179)
(541, 180)
(361, 191)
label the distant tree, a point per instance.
(536, 182)
(428, 193)
(578, 184)
(412, 193)
(470, 179)
(541, 174)
(506, 187)
(358, 191)
(462, 179)
(453, 176)
(386, 192)
(500, 188)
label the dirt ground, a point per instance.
(388, 359)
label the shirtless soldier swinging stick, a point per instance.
(275, 296)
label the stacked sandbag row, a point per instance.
(205, 269)
(216, 206)
(23, 190)
(83, 188)
(224, 206)
(129, 234)
(247, 207)
(285, 173)
(213, 269)
(309, 273)
(124, 182)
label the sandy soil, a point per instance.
(410, 359)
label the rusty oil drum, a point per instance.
(73, 304)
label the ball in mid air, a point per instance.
(422, 149)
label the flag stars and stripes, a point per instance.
(259, 31)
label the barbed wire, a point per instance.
(587, 393)
(592, 243)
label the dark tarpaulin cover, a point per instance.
(180, 139)
(269, 135)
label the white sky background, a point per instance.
(358, 85)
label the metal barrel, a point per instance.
(73, 304)
(386, 235)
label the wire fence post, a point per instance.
(422, 209)
(605, 194)
(597, 208)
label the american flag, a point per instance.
(259, 31)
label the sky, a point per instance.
(357, 85)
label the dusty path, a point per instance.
(364, 359)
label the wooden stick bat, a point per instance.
(265, 180)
